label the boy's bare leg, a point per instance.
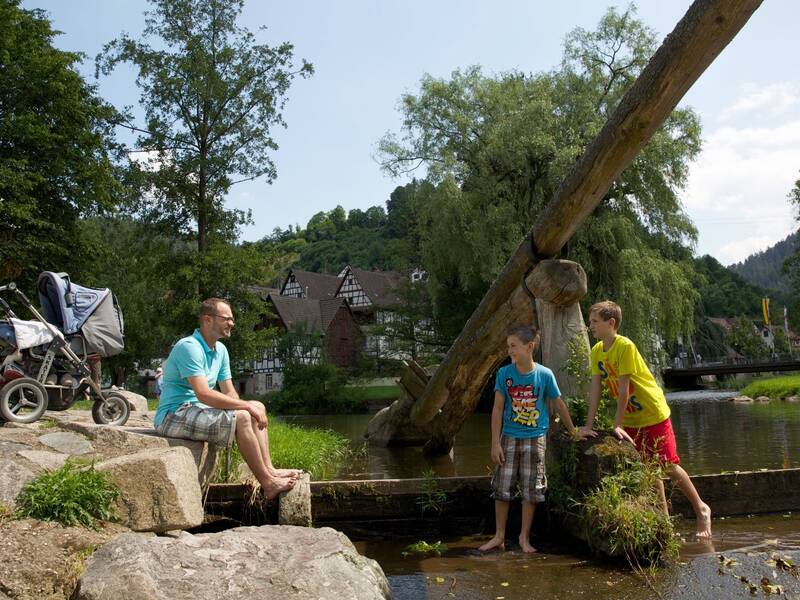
(702, 511)
(528, 509)
(263, 444)
(249, 446)
(498, 542)
(663, 495)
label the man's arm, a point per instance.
(622, 404)
(587, 430)
(224, 399)
(498, 457)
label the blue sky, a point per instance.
(367, 54)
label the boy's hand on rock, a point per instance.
(586, 432)
(498, 456)
(622, 435)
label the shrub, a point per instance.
(70, 495)
(625, 512)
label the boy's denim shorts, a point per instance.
(524, 464)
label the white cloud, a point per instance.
(772, 100)
(737, 189)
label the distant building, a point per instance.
(306, 284)
(331, 319)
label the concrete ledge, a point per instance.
(742, 493)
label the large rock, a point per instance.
(50, 461)
(67, 442)
(246, 562)
(13, 477)
(294, 506)
(137, 401)
(159, 489)
(118, 441)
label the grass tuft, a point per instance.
(70, 495)
(624, 512)
(320, 452)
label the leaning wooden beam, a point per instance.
(707, 27)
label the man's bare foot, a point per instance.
(495, 543)
(526, 546)
(276, 486)
(704, 522)
(293, 473)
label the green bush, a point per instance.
(71, 495)
(624, 512)
(775, 388)
(320, 452)
(313, 389)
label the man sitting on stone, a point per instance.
(190, 407)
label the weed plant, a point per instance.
(70, 495)
(432, 498)
(775, 388)
(625, 512)
(320, 452)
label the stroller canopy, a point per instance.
(76, 309)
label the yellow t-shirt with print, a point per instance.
(646, 402)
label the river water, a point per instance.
(713, 435)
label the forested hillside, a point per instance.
(765, 269)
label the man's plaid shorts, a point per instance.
(195, 421)
(524, 464)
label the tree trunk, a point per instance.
(707, 27)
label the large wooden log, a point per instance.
(705, 30)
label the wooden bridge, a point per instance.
(689, 378)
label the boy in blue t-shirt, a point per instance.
(520, 420)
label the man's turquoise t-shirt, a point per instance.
(526, 413)
(190, 357)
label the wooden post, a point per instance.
(704, 31)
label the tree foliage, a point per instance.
(57, 149)
(496, 148)
(211, 96)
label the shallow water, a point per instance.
(558, 572)
(713, 435)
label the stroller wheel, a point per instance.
(23, 400)
(112, 410)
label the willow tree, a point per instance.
(496, 148)
(211, 97)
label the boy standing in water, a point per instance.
(642, 415)
(520, 420)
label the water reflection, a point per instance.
(713, 435)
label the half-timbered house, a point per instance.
(305, 284)
(331, 319)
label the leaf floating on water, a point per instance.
(770, 588)
(504, 583)
(439, 579)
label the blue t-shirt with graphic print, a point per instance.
(190, 357)
(525, 411)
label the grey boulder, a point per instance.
(273, 561)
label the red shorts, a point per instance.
(656, 440)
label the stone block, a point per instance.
(159, 489)
(294, 506)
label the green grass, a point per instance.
(70, 495)
(624, 512)
(152, 404)
(373, 392)
(320, 452)
(775, 388)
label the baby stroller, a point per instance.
(45, 361)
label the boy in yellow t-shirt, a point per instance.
(642, 415)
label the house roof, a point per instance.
(317, 286)
(317, 314)
(380, 286)
(262, 291)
